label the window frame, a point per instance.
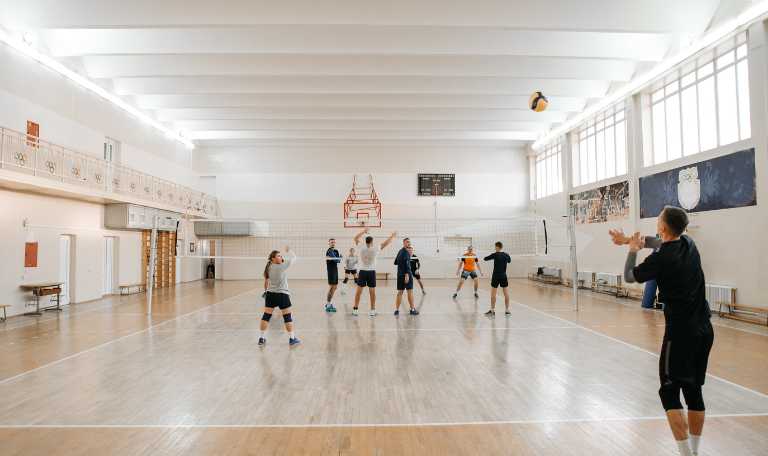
(704, 69)
(584, 149)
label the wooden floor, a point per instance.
(103, 378)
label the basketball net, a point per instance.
(362, 208)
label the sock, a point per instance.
(685, 449)
(292, 335)
(695, 439)
(263, 334)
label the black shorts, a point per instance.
(367, 279)
(333, 275)
(401, 285)
(499, 280)
(280, 300)
(684, 357)
(350, 271)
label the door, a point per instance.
(109, 265)
(65, 267)
(111, 150)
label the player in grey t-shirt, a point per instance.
(277, 293)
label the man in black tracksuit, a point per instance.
(688, 335)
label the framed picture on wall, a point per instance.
(191, 247)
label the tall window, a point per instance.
(600, 148)
(701, 105)
(547, 170)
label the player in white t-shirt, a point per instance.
(366, 277)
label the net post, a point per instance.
(574, 259)
(152, 260)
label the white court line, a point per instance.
(362, 330)
(109, 342)
(655, 355)
(364, 425)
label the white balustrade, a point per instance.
(26, 154)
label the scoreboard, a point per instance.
(437, 185)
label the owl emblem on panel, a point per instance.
(689, 188)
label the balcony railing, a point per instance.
(29, 155)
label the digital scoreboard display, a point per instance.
(437, 185)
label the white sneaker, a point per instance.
(355, 312)
(372, 313)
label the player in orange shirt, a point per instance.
(468, 264)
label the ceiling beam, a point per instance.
(615, 15)
(390, 40)
(359, 85)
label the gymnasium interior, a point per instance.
(172, 172)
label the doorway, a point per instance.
(110, 265)
(66, 246)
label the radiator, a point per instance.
(718, 295)
(606, 278)
(586, 276)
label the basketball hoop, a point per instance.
(362, 207)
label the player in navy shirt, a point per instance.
(404, 278)
(332, 265)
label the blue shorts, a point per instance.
(402, 285)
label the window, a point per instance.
(547, 175)
(701, 105)
(600, 147)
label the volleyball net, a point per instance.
(438, 243)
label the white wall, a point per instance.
(73, 117)
(50, 218)
(730, 241)
(313, 182)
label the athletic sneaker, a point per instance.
(372, 313)
(477, 295)
(294, 341)
(355, 312)
(397, 313)
(507, 313)
(413, 312)
(490, 313)
(455, 295)
(262, 341)
(330, 308)
(423, 292)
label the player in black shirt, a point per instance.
(499, 278)
(415, 266)
(688, 335)
(332, 266)
(404, 278)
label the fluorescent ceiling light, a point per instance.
(86, 83)
(745, 18)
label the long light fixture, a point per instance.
(53, 64)
(752, 14)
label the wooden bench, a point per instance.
(757, 315)
(126, 289)
(5, 316)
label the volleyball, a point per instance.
(538, 102)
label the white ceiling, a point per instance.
(354, 71)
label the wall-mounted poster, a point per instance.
(602, 204)
(720, 183)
